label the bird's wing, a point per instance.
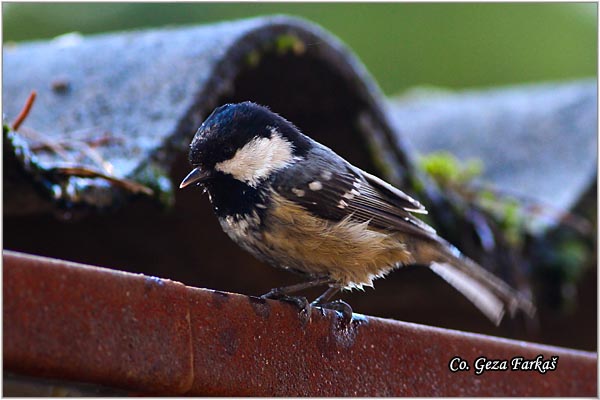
(331, 188)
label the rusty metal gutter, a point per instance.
(148, 335)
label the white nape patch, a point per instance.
(298, 192)
(326, 175)
(315, 185)
(258, 159)
(342, 204)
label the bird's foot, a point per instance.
(342, 307)
(274, 294)
(299, 301)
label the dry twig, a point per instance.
(24, 111)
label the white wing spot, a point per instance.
(315, 185)
(342, 204)
(326, 175)
(348, 195)
(356, 184)
(298, 192)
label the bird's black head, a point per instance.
(246, 142)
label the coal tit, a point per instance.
(296, 204)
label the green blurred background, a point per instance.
(402, 45)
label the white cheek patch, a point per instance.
(258, 159)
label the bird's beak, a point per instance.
(196, 176)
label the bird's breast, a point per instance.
(350, 252)
(241, 227)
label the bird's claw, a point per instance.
(299, 301)
(338, 305)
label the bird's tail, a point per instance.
(486, 291)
